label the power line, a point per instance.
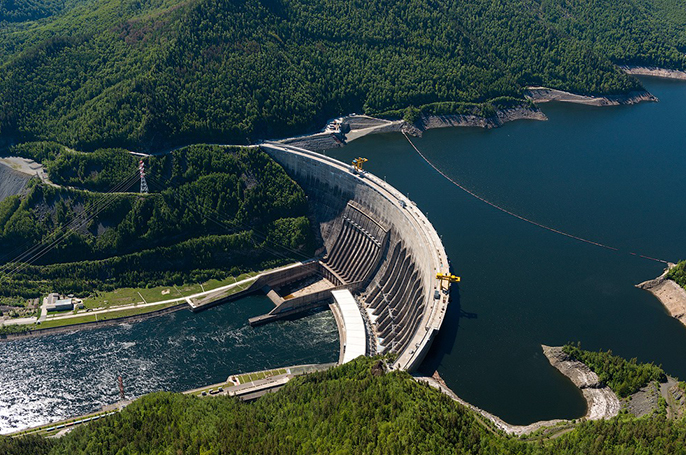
(504, 210)
(41, 249)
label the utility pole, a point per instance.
(144, 184)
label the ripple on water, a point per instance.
(54, 377)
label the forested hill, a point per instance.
(145, 74)
(212, 211)
(356, 408)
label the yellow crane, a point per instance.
(358, 163)
(447, 277)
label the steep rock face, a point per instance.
(602, 401)
(11, 182)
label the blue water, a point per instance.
(59, 376)
(614, 175)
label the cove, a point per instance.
(610, 174)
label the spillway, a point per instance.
(379, 246)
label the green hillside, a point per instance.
(211, 210)
(156, 73)
(356, 408)
(678, 274)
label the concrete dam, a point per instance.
(379, 262)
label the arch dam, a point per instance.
(377, 267)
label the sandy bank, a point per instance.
(544, 95)
(602, 403)
(672, 296)
(654, 72)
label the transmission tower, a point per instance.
(144, 184)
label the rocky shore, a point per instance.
(502, 116)
(353, 127)
(602, 402)
(670, 294)
(654, 72)
(545, 95)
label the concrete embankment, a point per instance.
(545, 94)
(92, 325)
(670, 294)
(602, 403)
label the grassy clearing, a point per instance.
(133, 296)
(103, 317)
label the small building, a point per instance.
(60, 305)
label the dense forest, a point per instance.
(623, 376)
(149, 74)
(211, 211)
(357, 408)
(678, 274)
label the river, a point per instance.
(614, 175)
(59, 376)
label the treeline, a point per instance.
(160, 73)
(355, 408)
(678, 274)
(623, 376)
(211, 209)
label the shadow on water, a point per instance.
(444, 342)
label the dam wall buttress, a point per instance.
(381, 244)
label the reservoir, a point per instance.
(613, 175)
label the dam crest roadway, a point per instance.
(380, 259)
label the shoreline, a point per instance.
(601, 401)
(34, 333)
(545, 95)
(669, 293)
(358, 126)
(653, 71)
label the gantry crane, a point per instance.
(447, 277)
(358, 163)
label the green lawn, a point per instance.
(132, 296)
(89, 317)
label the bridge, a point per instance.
(380, 258)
